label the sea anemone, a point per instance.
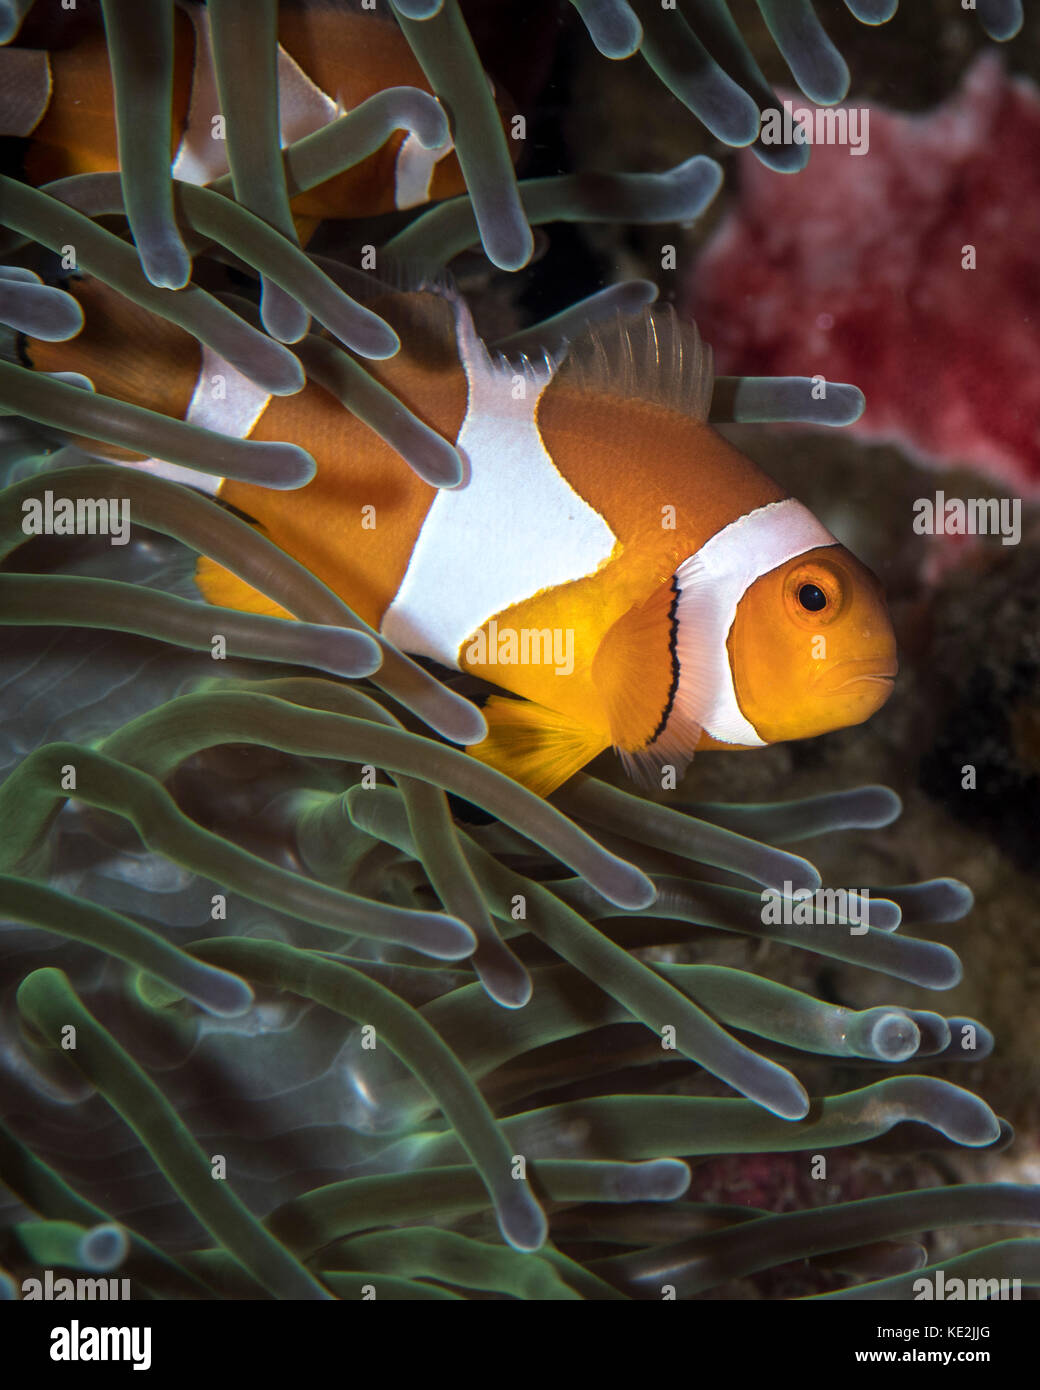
(699, 54)
(434, 1035)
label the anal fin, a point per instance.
(536, 746)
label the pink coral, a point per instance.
(854, 268)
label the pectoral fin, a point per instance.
(536, 746)
(635, 669)
(637, 672)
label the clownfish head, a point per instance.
(811, 646)
(778, 633)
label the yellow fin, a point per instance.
(635, 669)
(220, 586)
(536, 746)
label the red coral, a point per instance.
(853, 268)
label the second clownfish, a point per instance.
(330, 60)
(608, 558)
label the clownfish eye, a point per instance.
(815, 592)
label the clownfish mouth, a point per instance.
(854, 672)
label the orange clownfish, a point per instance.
(330, 60)
(608, 556)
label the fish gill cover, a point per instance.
(299, 999)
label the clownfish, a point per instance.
(330, 60)
(608, 557)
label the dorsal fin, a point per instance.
(417, 299)
(394, 276)
(649, 356)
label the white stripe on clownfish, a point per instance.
(224, 401)
(415, 166)
(302, 107)
(513, 526)
(414, 169)
(710, 585)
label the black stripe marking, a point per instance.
(673, 640)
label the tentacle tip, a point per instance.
(708, 173)
(167, 266)
(790, 1101)
(885, 915)
(295, 467)
(509, 989)
(376, 341)
(418, 9)
(966, 898)
(508, 248)
(286, 381)
(843, 81)
(284, 318)
(353, 655)
(435, 137)
(887, 804)
(1001, 28)
(11, 16)
(67, 325)
(617, 50)
(954, 974)
(782, 159)
(987, 1133)
(615, 31)
(831, 80)
(635, 891)
(670, 1179)
(879, 13)
(448, 475)
(1006, 1136)
(105, 1247)
(73, 379)
(433, 130)
(522, 1222)
(800, 874)
(468, 728)
(225, 995)
(451, 938)
(853, 403)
